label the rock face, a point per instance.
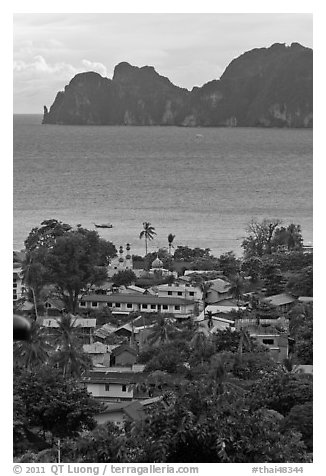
(268, 87)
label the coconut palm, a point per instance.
(244, 341)
(35, 351)
(162, 331)
(210, 323)
(205, 287)
(148, 233)
(34, 278)
(237, 287)
(69, 355)
(170, 241)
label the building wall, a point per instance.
(123, 308)
(181, 290)
(103, 359)
(114, 391)
(278, 347)
(17, 284)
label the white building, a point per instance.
(121, 303)
(18, 288)
(113, 384)
(186, 291)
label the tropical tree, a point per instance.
(124, 278)
(289, 238)
(205, 287)
(260, 237)
(209, 319)
(229, 264)
(75, 263)
(56, 405)
(35, 275)
(70, 259)
(69, 355)
(32, 353)
(45, 235)
(170, 241)
(148, 233)
(237, 287)
(162, 331)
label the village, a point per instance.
(147, 310)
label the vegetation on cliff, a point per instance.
(268, 87)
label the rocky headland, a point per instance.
(264, 87)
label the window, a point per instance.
(124, 388)
(179, 293)
(144, 306)
(165, 306)
(94, 303)
(107, 387)
(153, 306)
(15, 285)
(177, 308)
(117, 304)
(129, 305)
(169, 293)
(82, 304)
(109, 304)
(268, 341)
(191, 293)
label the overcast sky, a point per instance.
(189, 48)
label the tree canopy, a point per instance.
(70, 259)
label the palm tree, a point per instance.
(162, 331)
(170, 241)
(237, 286)
(210, 323)
(205, 287)
(244, 341)
(35, 351)
(69, 355)
(148, 233)
(33, 277)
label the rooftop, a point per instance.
(136, 299)
(77, 322)
(279, 299)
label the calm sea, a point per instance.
(203, 185)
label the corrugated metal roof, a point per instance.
(77, 322)
(137, 299)
(279, 299)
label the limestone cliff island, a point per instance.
(264, 87)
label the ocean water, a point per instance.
(203, 185)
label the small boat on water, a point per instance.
(103, 225)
